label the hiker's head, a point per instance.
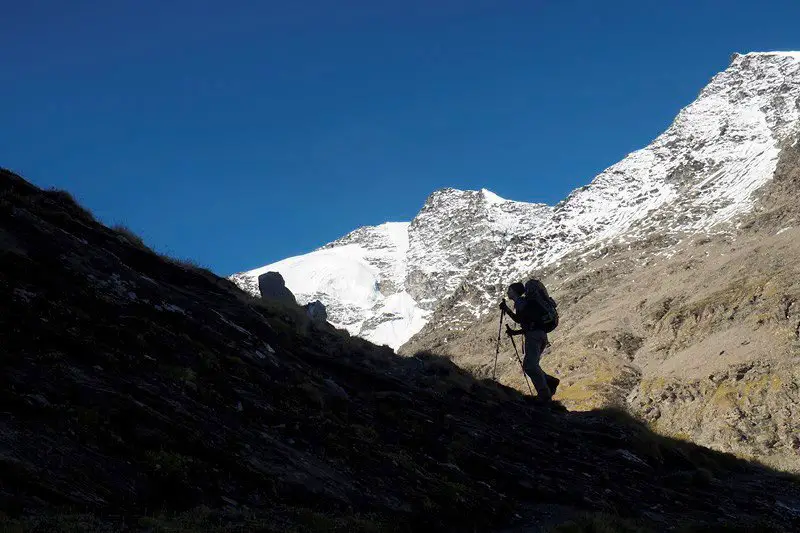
(515, 290)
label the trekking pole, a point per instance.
(497, 351)
(524, 375)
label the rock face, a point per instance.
(698, 334)
(316, 311)
(131, 382)
(458, 231)
(271, 286)
(751, 409)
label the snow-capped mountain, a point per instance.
(699, 173)
(456, 231)
(361, 280)
(383, 282)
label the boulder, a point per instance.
(317, 312)
(272, 287)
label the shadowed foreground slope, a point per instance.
(139, 387)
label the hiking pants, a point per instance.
(535, 343)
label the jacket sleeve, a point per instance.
(519, 305)
(513, 316)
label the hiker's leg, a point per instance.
(552, 381)
(533, 352)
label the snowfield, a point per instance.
(359, 278)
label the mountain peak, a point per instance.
(491, 197)
(482, 192)
(481, 197)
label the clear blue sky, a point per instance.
(239, 133)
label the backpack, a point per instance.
(539, 311)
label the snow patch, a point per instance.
(360, 279)
(491, 197)
(403, 318)
(340, 273)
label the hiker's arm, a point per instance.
(511, 332)
(508, 311)
(513, 316)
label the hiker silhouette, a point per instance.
(531, 313)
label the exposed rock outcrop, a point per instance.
(271, 286)
(316, 312)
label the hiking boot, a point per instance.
(538, 400)
(552, 384)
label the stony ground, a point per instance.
(142, 393)
(698, 335)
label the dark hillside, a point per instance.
(138, 392)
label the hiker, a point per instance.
(534, 311)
